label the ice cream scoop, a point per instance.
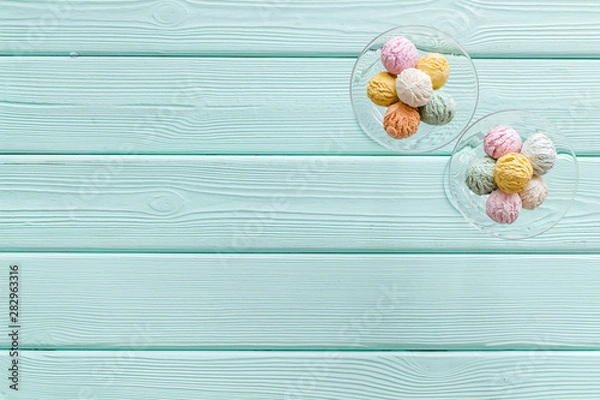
(401, 121)
(413, 87)
(534, 193)
(436, 66)
(439, 110)
(381, 89)
(501, 140)
(540, 150)
(512, 172)
(480, 176)
(503, 208)
(398, 54)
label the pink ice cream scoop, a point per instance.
(501, 140)
(398, 54)
(503, 208)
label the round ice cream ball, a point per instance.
(439, 110)
(534, 193)
(401, 121)
(381, 89)
(413, 87)
(503, 208)
(436, 66)
(398, 54)
(540, 150)
(512, 172)
(501, 140)
(480, 176)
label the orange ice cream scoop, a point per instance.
(401, 121)
(381, 89)
(513, 172)
(436, 66)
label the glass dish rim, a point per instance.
(448, 177)
(462, 49)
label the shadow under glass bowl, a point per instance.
(562, 179)
(463, 86)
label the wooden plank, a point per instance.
(292, 27)
(256, 204)
(229, 375)
(246, 106)
(208, 301)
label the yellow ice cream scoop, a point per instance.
(512, 172)
(381, 89)
(436, 66)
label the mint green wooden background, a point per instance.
(197, 214)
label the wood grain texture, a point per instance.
(127, 375)
(292, 27)
(204, 301)
(255, 204)
(247, 106)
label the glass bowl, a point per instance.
(462, 85)
(562, 179)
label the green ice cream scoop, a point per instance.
(439, 110)
(480, 176)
